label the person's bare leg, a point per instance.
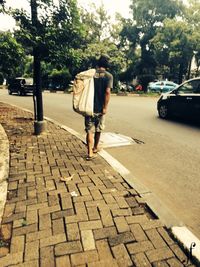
(89, 141)
(96, 141)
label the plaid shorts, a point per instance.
(95, 123)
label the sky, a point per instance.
(112, 6)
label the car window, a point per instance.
(170, 84)
(186, 88)
(196, 86)
(192, 87)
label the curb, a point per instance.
(180, 233)
(4, 168)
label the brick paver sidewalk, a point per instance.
(62, 210)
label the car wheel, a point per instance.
(9, 92)
(19, 92)
(163, 111)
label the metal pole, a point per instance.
(39, 124)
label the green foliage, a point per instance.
(173, 47)
(148, 16)
(59, 79)
(56, 31)
(11, 56)
(159, 40)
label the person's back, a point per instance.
(102, 80)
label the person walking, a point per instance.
(103, 83)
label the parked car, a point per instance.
(21, 86)
(161, 86)
(183, 101)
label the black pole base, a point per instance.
(40, 127)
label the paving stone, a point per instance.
(121, 239)
(151, 224)
(109, 199)
(88, 240)
(121, 202)
(25, 229)
(84, 257)
(63, 261)
(131, 202)
(95, 203)
(10, 259)
(103, 249)
(91, 225)
(93, 213)
(140, 260)
(52, 240)
(44, 221)
(178, 252)
(32, 250)
(17, 244)
(159, 254)
(155, 238)
(3, 251)
(141, 219)
(32, 217)
(105, 233)
(96, 194)
(62, 214)
(165, 236)
(103, 263)
(58, 226)
(73, 232)
(138, 232)
(122, 256)
(34, 263)
(53, 200)
(84, 191)
(138, 247)
(160, 264)
(13, 217)
(173, 262)
(67, 248)
(47, 210)
(121, 224)
(121, 212)
(106, 218)
(38, 235)
(6, 231)
(47, 257)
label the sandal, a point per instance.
(96, 150)
(91, 157)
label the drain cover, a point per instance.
(114, 140)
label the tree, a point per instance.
(58, 34)
(102, 38)
(174, 47)
(192, 17)
(11, 56)
(148, 16)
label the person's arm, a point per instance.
(107, 99)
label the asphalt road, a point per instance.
(166, 161)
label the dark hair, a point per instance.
(103, 62)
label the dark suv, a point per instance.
(21, 86)
(183, 101)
